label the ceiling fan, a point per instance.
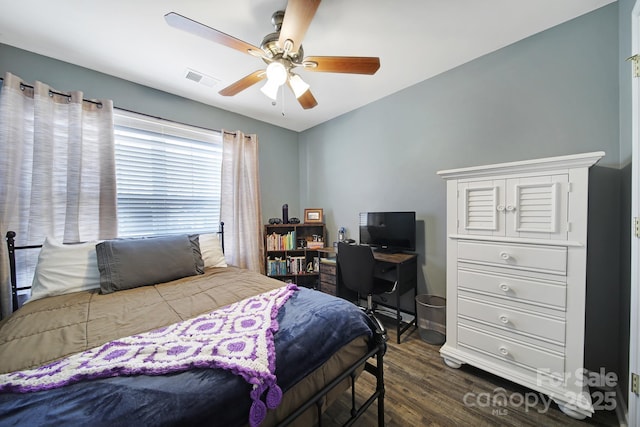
(282, 52)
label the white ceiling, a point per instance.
(415, 40)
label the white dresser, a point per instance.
(516, 273)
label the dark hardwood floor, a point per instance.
(422, 391)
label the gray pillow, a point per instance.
(131, 263)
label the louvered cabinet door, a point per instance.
(528, 207)
(481, 207)
(536, 207)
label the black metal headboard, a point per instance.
(12, 248)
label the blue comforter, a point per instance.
(313, 326)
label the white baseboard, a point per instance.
(621, 407)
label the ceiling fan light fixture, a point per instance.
(270, 89)
(276, 76)
(276, 73)
(298, 85)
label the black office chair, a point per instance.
(356, 265)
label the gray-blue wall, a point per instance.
(554, 93)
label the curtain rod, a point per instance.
(99, 104)
(174, 121)
(54, 92)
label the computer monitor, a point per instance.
(388, 231)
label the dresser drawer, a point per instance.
(328, 288)
(547, 259)
(514, 287)
(513, 320)
(510, 351)
(328, 272)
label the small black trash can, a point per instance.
(432, 318)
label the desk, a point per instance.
(402, 268)
(393, 267)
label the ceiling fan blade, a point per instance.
(297, 18)
(307, 100)
(243, 83)
(189, 25)
(343, 64)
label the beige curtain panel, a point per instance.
(240, 201)
(57, 169)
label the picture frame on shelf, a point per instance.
(313, 216)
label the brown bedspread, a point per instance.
(51, 328)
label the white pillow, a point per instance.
(211, 250)
(63, 269)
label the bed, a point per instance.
(221, 346)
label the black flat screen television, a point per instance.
(388, 231)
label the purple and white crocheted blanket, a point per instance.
(238, 338)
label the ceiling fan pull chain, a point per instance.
(282, 94)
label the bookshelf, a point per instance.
(291, 252)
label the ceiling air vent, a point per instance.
(201, 78)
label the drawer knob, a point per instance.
(505, 255)
(503, 318)
(500, 208)
(504, 287)
(511, 208)
(503, 350)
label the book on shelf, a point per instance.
(276, 267)
(297, 265)
(281, 242)
(291, 265)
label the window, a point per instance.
(168, 176)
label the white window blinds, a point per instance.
(168, 176)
